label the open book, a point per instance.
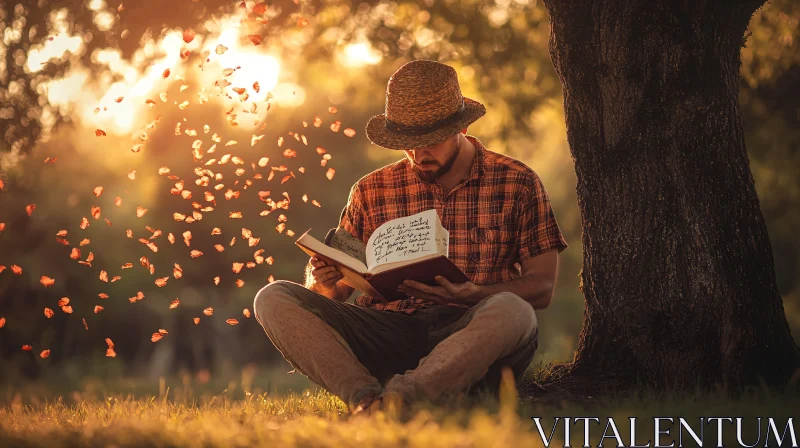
(410, 248)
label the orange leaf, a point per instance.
(216, 280)
(237, 267)
(246, 313)
(47, 281)
(48, 312)
(195, 253)
(16, 269)
(132, 175)
(85, 325)
(188, 35)
(30, 208)
(98, 191)
(232, 322)
(104, 276)
(111, 353)
(255, 39)
(174, 304)
(156, 337)
(329, 174)
(75, 254)
(100, 133)
(260, 9)
(140, 211)
(196, 320)
(98, 308)
(239, 282)
(350, 132)
(161, 281)
(119, 99)
(208, 311)
(27, 348)
(2, 322)
(103, 295)
(44, 354)
(289, 153)
(67, 309)
(64, 301)
(165, 74)
(84, 223)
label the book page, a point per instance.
(345, 242)
(404, 239)
(313, 246)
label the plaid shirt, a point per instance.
(497, 216)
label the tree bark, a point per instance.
(678, 274)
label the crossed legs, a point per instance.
(352, 351)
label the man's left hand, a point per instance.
(466, 293)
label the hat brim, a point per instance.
(379, 135)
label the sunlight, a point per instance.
(359, 54)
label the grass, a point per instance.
(176, 416)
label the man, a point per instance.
(447, 339)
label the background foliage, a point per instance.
(341, 58)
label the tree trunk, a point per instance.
(678, 274)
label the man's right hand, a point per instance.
(325, 277)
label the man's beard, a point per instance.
(432, 176)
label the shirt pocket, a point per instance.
(490, 247)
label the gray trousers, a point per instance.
(434, 353)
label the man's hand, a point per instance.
(466, 293)
(325, 278)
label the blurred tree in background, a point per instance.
(329, 54)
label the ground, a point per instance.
(176, 415)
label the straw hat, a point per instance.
(424, 106)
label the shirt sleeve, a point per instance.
(539, 230)
(352, 217)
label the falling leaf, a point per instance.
(232, 322)
(350, 132)
(103, 295)
(195, 253)
(103, 276)
(30, 208)
(161, 281)
(332, 109)
(16, 269)
(196, 320)
(188, 35)
(174, 304)
(47, 281)
(67, 309)
(140, 211)
(329, 174)
(119, 100)
(27, 348)
(336, 125)
(208, 311)
(98, 308)
(48, 313)
(255, 39)
(100, 133)
(110, 351)
(237, 267)
(239, 282)
(216, 280)
(156, 337)
(221, 49)
(44, 354)
(301, 22)
(260, 9)
(2, 322)
(289, 153)
(165, 74)
(132, 175)
(98, 191)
